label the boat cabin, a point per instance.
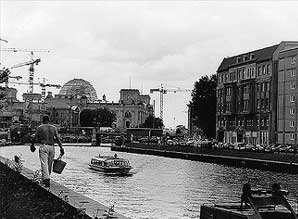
(110, 162)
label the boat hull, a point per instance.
(119, 170)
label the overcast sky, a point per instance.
(151, 42)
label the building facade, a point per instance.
(287, 113)
(64, 108)
(131, 110)
(247, 96)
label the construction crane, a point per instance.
(162, 91)
(3, 40)
(39, 83)
(23, 50)
(43, 85)
(32, 62)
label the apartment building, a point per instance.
(247, 96)
(287, 102)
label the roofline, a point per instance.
(249, 61)
(289, 49)
(254, 50)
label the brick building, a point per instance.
(247, 96)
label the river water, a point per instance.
(159, 187)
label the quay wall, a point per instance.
(21, 196)
(205, 156)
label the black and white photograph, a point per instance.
(149, 109)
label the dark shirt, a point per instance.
(47, 134)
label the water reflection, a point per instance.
(159, 187)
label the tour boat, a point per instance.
(110, 164)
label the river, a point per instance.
(160, 187)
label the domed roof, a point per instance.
(79, 88)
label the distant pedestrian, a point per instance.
(46, 134)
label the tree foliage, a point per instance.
(87, 118)
(203, 105)
(3, 78)
(152, 122)
(100, 117)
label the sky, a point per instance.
(138, 44)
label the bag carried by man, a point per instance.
(58, 165)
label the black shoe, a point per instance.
(46, 183)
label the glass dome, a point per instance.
(79, 88)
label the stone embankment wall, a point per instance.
(21, 196)
(232, 158)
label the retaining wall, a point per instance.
(226, 160)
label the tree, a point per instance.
(3, 78)
(104, 117)
(87, 118)
(152, 122)
(203, 105)
(100, 117)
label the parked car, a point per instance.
(239, 146)
(284, 148)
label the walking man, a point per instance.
(46, 134)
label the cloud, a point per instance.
(150, 42)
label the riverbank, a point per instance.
(287, 163)
(65, 144)
(23, 197)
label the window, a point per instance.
(246, 103)
(268, 68)
(292, 137)
(127, 114)
(264, 69)
(253, 73)
(228, 106)
(292, 124)
(293, 59)
(246, 89)
(229, 91)
(238, 59)
(293, 85)
(246, 58)
(266, 102)
(292, 111)
(262, 103)
(252, 56)
(262, 87)
(293, 73)
(232, 76)
(259, 71)
(292, 98)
